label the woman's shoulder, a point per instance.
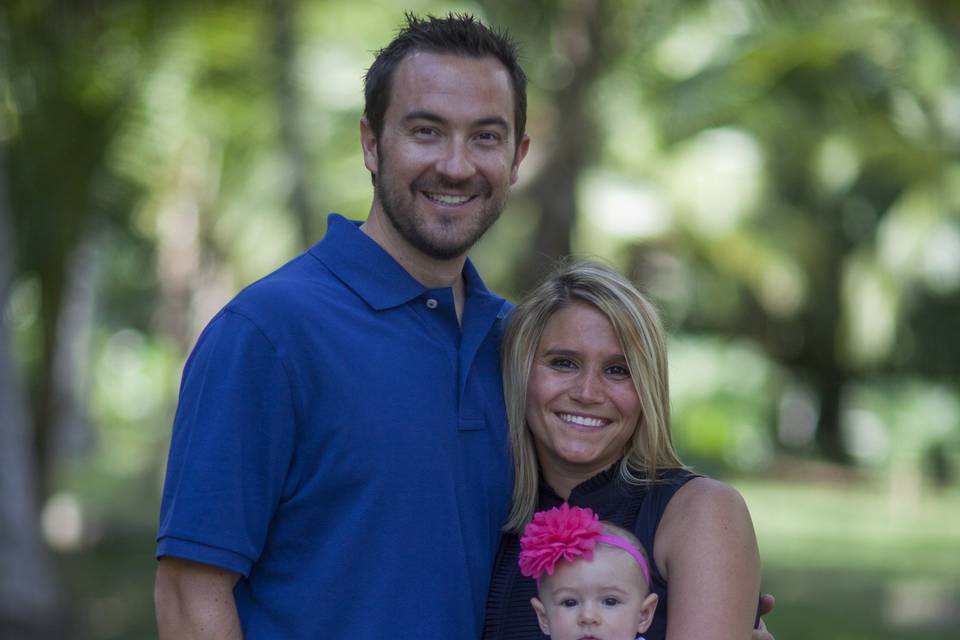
(703, 494)
(704, 509)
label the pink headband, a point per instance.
(566, 533)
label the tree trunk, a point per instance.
(282, 13)
(829, 435)
(72, 432)
(31, 602)
(581, 37)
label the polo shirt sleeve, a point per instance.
(232, 443)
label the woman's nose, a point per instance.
(587, 389)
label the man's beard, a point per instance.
(414, 228)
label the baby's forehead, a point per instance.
(608, 565)
(611, 554)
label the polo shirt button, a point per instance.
(431, 303)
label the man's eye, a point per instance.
(424, 132)
(488, 136)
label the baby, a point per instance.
(586, 591)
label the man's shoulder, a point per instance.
(301, 287)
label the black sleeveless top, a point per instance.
(634, 508)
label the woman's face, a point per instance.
(582, 407)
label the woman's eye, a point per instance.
(619, 371)
(562, 363)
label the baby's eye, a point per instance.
(568, 602)
(611, 602)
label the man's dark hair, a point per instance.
(457, 34)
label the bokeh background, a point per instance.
(783, 177)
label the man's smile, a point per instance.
(447, 199)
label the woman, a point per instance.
(585, 381)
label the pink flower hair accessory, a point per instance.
(567, 533)
(562, 533)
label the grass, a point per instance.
(856, 561)
(846, 561)
(111, 587)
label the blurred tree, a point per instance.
(799, 149)
(67, 71)
(809, 154)
(566, 48)
(283, 14)
(71, 68)
(31, 602)
(579, 44)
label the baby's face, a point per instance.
(602, 599)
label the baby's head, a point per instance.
(593, 578)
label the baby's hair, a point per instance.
(612, 529)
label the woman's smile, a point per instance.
(583, 421)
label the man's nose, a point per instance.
(456, 164)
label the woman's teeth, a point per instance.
(583, 420)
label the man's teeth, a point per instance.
(444, 198)
(583, 420)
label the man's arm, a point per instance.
(195, 601)
(767, 602)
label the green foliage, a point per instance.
(723, 396)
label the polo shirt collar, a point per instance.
(475, 290)
(371, 272)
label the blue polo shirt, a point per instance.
(340, 442)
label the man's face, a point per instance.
(447, 155)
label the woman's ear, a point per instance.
(541, 615)
(646, 612)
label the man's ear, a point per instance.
(646, 612)
(518, 157)
(541, 615)
(368, 141)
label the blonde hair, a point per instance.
(637, 326)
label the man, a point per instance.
(339, 463)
